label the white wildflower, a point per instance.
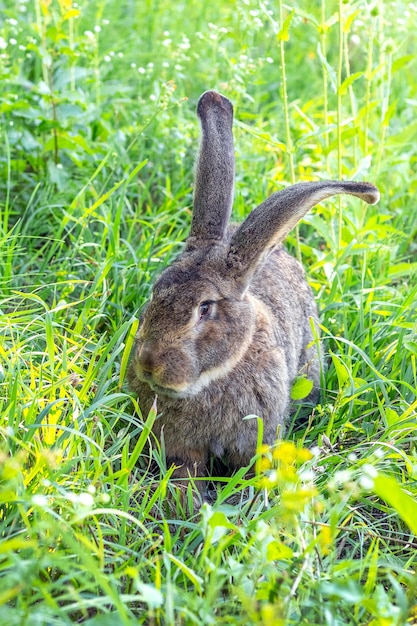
(86, 499)
(39, 500)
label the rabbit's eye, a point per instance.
(205, 309)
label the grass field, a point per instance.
(98, 139)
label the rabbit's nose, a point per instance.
(146, 360)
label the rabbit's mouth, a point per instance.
(169, 392)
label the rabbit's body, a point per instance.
(229, 323)
(256, 369)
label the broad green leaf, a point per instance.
(402, 269)
(64, 141)
(391, 416)
(389, 490)
(219, 519)
(348, 590)
(302, 386)
(57, 175)
(401, 62)
(341, 371)
(276, 551)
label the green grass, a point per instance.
(98, 141)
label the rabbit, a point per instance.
(228, 326)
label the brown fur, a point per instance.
(210, 371)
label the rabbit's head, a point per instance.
(202, 314)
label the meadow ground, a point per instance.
(98, 140)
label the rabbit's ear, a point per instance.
(272, 220)
(214, 176)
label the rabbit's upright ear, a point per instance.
(272, 220)
(214, 176)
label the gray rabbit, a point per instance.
(228, 327)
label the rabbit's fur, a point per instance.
(228, 327)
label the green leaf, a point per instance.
(401, 269)
(348, 590)
(283, 34)
(219, 519)
(348, 82)
(57, 175)
(17, 543)
(276, 551)
(391, 416)
(67, 142)
(349, 20)
(389, 490)
(71, 13)
(8, 594)
(341, 371)
(389, 113)
(401, 61)
(302, 386)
